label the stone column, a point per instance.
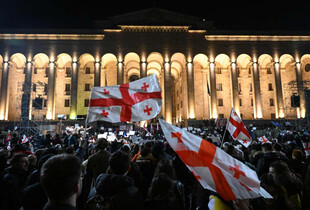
(301, 91)
(279, 94)
(51, 91)
(168, 92)
(234, 87)
(26, 97)
(143, 69)
(190, 90)
(4, 90)
(28, 77)
(206, 96)
(74, 92)
(257, 92)
(97, 75)
(212, 86)
(120, 73)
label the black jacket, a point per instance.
(121, 190)
(265, 161)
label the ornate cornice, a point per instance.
(53, 36)
(286, 38)
(133, 28)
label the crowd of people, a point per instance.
(78, 171)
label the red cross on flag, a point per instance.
(237, 129)
(25, 139)
(212, 167)
(135, 101)
(263, 140)
(306, 148)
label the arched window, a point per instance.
(133, 78)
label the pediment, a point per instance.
(154, 17)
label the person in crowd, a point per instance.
(34, 197)
(61, 181)
(297, 164)
(269, 156)
(32, 159)
(98, 162)
(158, 151)
(14, 181)
(161, 194)
(278, 201)
(288, 181)
(147, 169)
(166, 166)
(116, 189)
(134, 171)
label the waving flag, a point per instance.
(263, 140)
(212, 167)
(237, 129)
(25, 139)
(134, 101)
(306, 146)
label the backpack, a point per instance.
(97, 202)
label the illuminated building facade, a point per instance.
(203, 72)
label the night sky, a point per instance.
(234, 15)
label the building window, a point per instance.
(250, 72)
(241, 116)
(68, 71)
(87, 87)
(240, 102)
(47, 69)
(268, 70)
(273, 116)
(35, 71)
(67, 89)
(252, 102)
(219, 87)
(87, 70)
(44, 103)
(34, 87)
(239, 88)
(181, 104)
(220, 102)
(271, 102)
(218, 70)
(45, 89)
(250, 86)
(239, 72)
(307, 67)
(270, 87)
(67, 103)
(221, 115)
(86, 102)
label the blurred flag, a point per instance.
(212, 167)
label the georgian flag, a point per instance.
(212, 167)
(306, 146)
(25, 139)
(134, 101)
(263, 140)
(237, 129)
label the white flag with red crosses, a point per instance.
(237, 129)
(263, 140)
(306, 146)
(212, 167)
(135, 101)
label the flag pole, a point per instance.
(223, 137)
(85, 129)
